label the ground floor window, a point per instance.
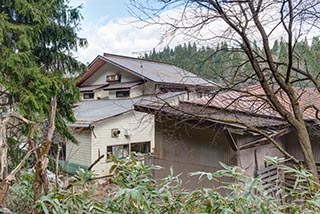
(123, 151)
(119, 151)
(143, 147)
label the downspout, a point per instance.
(91, 127)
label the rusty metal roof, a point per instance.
(188, 111)
(253, 101)
(146, 69)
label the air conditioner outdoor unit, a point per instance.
(113, 77)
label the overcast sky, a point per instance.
(109, 28)
(107, 25)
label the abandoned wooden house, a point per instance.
(106, 123)
(198, 134)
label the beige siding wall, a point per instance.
(99, 77)
(112, 94)
(98, 94)
(101, 94)
(139, 126)
(81, 153)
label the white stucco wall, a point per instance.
(139, 125)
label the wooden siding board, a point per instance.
(99, 77)
(81, 153)
(139, 125)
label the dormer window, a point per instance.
(113, 78)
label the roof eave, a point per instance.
(89, 73)
(147, 109)
(94, 122)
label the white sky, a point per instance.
(108, 27)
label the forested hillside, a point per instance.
(223, 62)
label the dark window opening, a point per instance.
(122, 151)
(143, 147)
(123, 93)
(119, 152)
(88, 95)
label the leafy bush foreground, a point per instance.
(137, 192)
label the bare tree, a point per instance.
(41, 182)
(246, 24)
(7, 177)
(39, 151)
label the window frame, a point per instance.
(126, 93)
(90, 94)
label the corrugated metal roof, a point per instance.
(252, 100)
(122, 85)
(88, 112)
(188, 111)
(154, 71)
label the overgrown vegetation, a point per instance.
(251, 27)
(37, 84)
(135, 191)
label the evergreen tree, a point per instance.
(37, 38)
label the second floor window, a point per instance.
(88, 95)
(123, 93)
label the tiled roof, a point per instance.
(252, 100)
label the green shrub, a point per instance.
(138, 192)
(20, 198)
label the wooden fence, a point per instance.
(275, 179)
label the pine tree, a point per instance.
(37, 38)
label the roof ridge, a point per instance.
(135, 58)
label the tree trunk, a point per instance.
(41, 183)
(57, 166)
(306, 147)
(4, 163)
(3, 193)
